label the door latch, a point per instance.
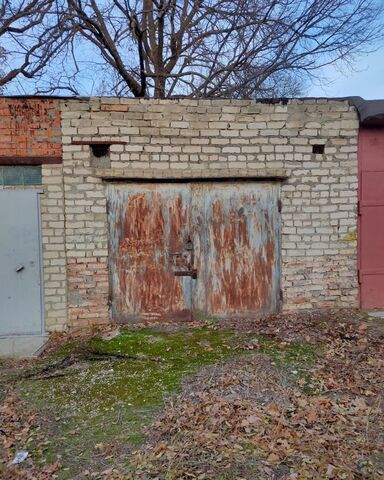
(190, 272)
(187, 273)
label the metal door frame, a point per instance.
(38, 191)
(41, 260)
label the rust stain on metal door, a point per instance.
(178, 249)
(242, 249)
(148, 226)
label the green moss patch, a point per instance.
(100, 401)
(296, 359)
(96, 405)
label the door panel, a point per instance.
(242, 251)
(372, 188)
(179, 249)
(149, 226)
(371, 256)
(20, 263)
(371, 289)
(372, 234)
(371, 218)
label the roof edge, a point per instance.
(370, 112)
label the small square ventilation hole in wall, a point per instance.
(318, 149)
(100, 150)
(100, 155)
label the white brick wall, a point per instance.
(181, 137)
(54, 255)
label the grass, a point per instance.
(113, 400)
(301, 355)
(297, 358)
(97, 405)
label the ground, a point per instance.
(292, 396)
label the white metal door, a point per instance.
(21, 310)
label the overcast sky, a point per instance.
(367, 81)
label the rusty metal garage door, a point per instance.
(189, 249)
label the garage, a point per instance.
(193, 249)
(153, 210)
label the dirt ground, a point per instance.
(290, 396)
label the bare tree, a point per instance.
(203, 48)
(32, 34)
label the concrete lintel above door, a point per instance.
(189, 174)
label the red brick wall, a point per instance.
(87, 291)
(30, 128)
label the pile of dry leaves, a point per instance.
(249, 419)
(252, 417)
(20, 425)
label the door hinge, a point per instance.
(281, 295)
(358, 208)
(279, 205)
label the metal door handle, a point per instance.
(19, 268)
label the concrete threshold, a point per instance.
(376, 313)
(22, 346)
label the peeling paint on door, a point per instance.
(242, 248)
(181, 248)
(148, 227)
